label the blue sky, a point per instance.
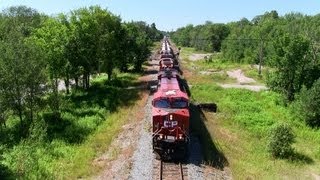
(171, 14)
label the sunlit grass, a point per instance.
(79, 164)
(241, 125)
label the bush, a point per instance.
(308, 104)
(281, 138)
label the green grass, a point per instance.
(238, 131)
(63, 147)
(246, 117)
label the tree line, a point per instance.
(38, 51)
(288, 44)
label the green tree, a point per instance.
(52, 38)
(22, 75)
(19, 18)
(94, 42)
(136, 46)
(21, 62)
(290, 61)
(308, 104)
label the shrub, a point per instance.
(308, 105)
(281, 138)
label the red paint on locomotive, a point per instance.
(170, 110)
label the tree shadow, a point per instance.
(6, 173)
(106, 96)
(87, 105)
(212, 154)
(151, 71)
(300, 158)
(185, 86)
(120, 82)
(64, 129)
(13, 135)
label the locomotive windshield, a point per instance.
(179, 103)
(162, 103)
(175, 103)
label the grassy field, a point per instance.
(239, 129)
(64, 148)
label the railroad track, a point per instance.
(170, 171)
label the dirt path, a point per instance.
(197, 57)
(242, 81)
(241, 78)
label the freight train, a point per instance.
(170, 108)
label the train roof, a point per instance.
(169, 87)
(171, 73)
(170, 93)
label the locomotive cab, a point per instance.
(170, 123)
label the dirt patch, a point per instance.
(197, 57)
(241, 78)
(249, 87)
(242, 81)
(209, 72)
(316, 177)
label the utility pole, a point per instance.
(260, 56)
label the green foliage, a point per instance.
(54, 138)
(290, 63)
(206, 37)
(20, 19)
(281, 138)
(22, 74)
(308, 105)
(37, 53)
(137, 50)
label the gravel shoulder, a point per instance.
(130, 153)
(117, 161)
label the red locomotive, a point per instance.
(170, 109)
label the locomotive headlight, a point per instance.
(171, 117)
(160, 136)
(180, 136)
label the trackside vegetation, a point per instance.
(256, 134)
(63, 93)
(281, 52)
(289, 44)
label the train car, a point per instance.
(170, 109)
(170, 118)
(165, 63)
